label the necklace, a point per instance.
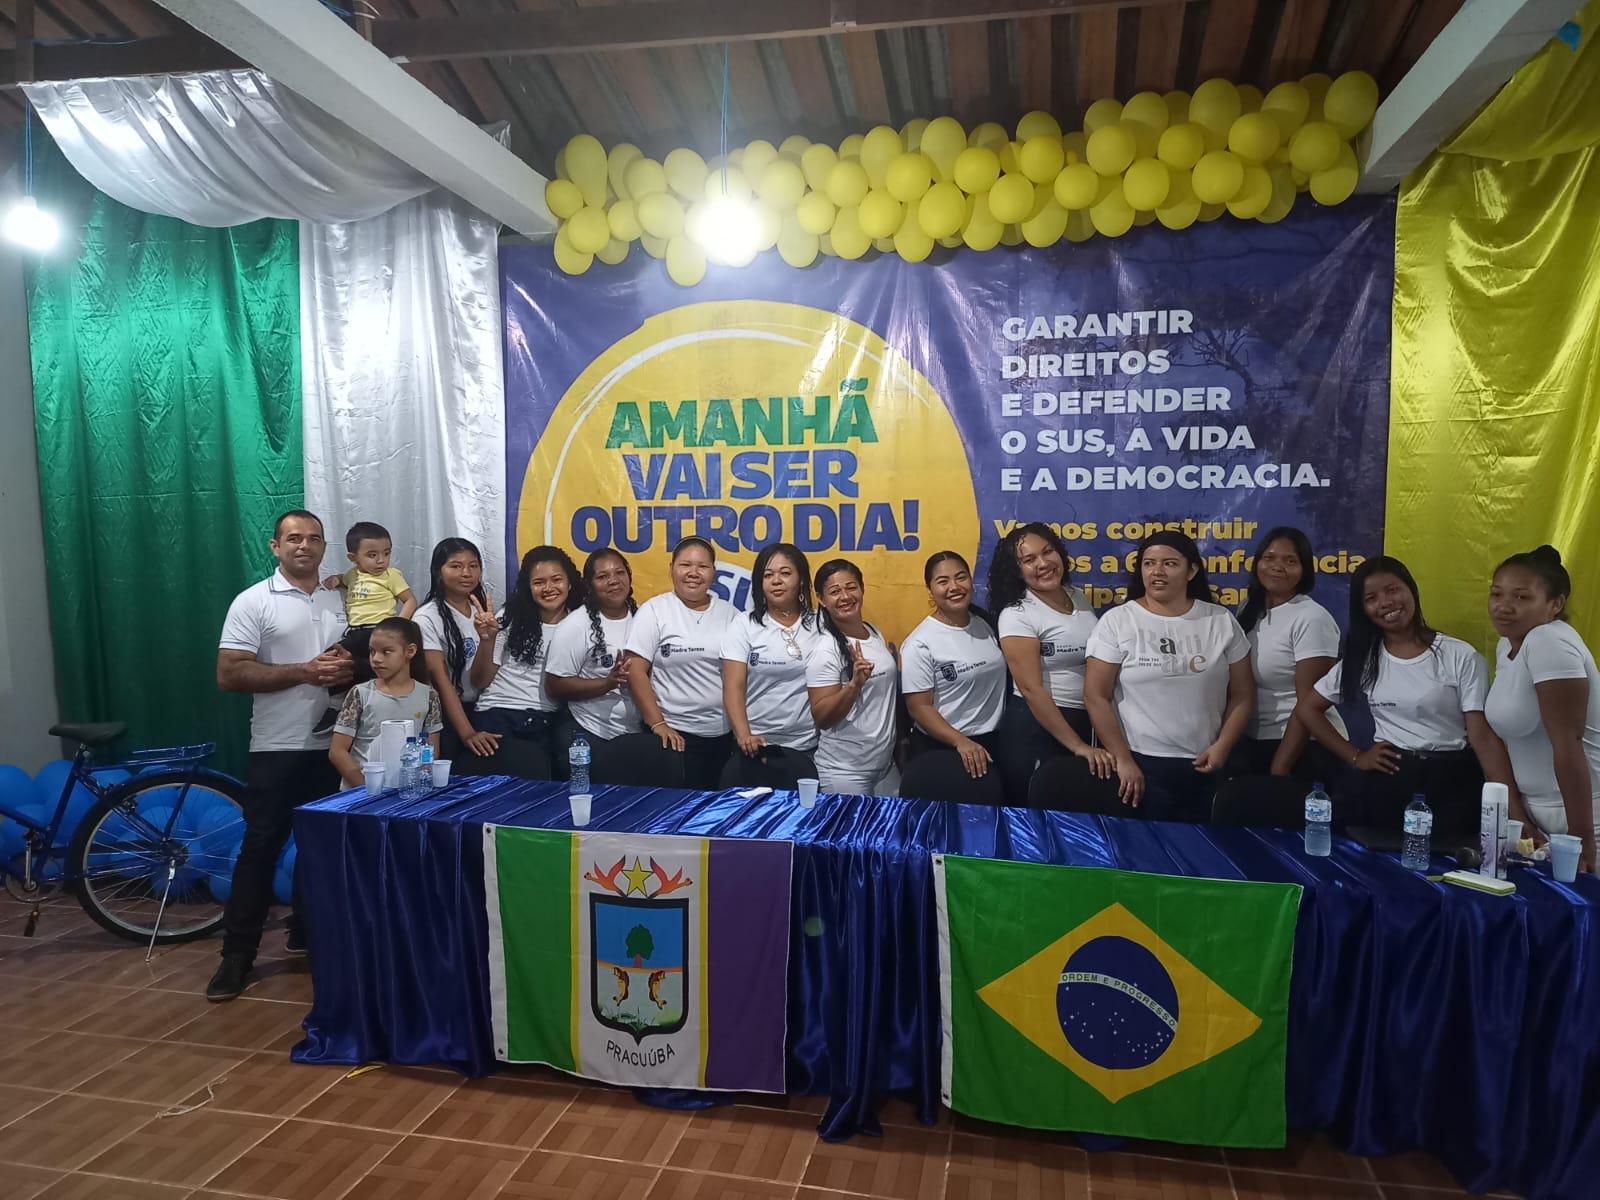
(791, 641)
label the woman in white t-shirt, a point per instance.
(1425, 691)
(764, 674)
(452, 619)
(508, 669)
(675, 667)
(953, 674)
(1545, 701)
(1044, 625)
(1169, 686)
(585, 666)
(1294, 642)
(852, 678)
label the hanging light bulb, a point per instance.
(26, 224)
(734, 229)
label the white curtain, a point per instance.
(220, 148)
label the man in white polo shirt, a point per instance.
(279, 643)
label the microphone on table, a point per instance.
(1467, 857)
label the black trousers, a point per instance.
(1450, 780)
(280, 782)
(640, 760)
(1021, 744)
(772, 766)
(1174, 790)
(1317, 764)
(533, 744)
(357, 640)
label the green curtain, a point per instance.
(166, 378)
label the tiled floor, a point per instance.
(118, 1082)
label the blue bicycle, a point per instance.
(152, 859)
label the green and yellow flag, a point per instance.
(1079, 998)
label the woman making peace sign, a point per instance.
(852, 678)
(452, 619)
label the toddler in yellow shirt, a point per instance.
(373, 592)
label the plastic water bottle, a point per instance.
(1416, 850)
(1319, 823)
(424, 765)
(410, 768)
(578, 755)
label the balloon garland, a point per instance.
(1172, 158)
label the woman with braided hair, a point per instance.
(451, 619)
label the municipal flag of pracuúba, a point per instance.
(1115, 1002)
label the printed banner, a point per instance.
(1114, 1001)
(640, 960)
(1220, 381)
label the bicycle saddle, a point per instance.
(90, 735)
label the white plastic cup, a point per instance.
(374, 774)
(582, 805)
(1564, 851)
(808, 792)
(1513, 836)
(441, 772)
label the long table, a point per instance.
(1422, 1015)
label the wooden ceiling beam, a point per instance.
(1226, 39)
(1160, 43)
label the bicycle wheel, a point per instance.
(131, 872)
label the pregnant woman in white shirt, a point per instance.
(852, 678)
(1545, 702)
(1425, 691)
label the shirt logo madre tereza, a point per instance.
(669, 646)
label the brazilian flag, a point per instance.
(1103, 1001)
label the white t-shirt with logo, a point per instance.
(432, 625)
(1172, 690)
(573, 655)
(1552, 651)
(1286, 635)
(962, 667)
(280, 624)
(1421, 703)
(517, 685)
(684, 650)
(1063, 641)
(775, 699)
(862, 744)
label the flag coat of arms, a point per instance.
(1102, 1001)
(640, 960)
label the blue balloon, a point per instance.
(16, 795)
(283, 878)
(47, 785)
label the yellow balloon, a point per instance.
(851, 146)
(1181, 208)
(1102, 113)
(1077, 187)
(1181, 146)
(911, 133)
(617, 161)
(1036, 124)
(1249, 98)
(660, 215)
(1253, 195)
(1218, 177)
(880, 214)
(847, 185)
(561, 165)
(1177, 103)
(1008, 158)
(1334, 185)
(1041, 158)
(990, 134)
(953, 242)
(1111, 148)
(1215, 104)
(815, 213)
(980, 231)
(588, 231)
(883, 244)
(1351, 101)
(878, 149)
(782, 183)
(686, 173)
(1113, 216)
(1079, 227)
(816, 162)
(653, 246)
(613, 252)
(756, 157)
(1105, 186)
(1315, 147)
(849, 239)
(563, 198)
(586, 163)
(1147, 108)
(1283, 195)
(1075, 146)
(910, 175)
(1316, 87)
(1146, 184)
(1287, 104)
(735, 156)
(793, 147)
(623, 220)
(797, 247)
(686, 262)
(942, 141)
(573, 262)
(644, 176)
(940, 211)
(1302, 179)
(1046, 227)
(1011, 235)
(1210, 212)
(825, 245)
(770, 221)
(911, 241)
(699, 223)
(1254, 137)
(1011, 198)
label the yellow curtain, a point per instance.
(1494, 443)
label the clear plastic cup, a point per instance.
(1564, 851)
(373, 774)
(1513, 836)
(441, 772)
(808, 792)
(582, 806)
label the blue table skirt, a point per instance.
(1422, 1015)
